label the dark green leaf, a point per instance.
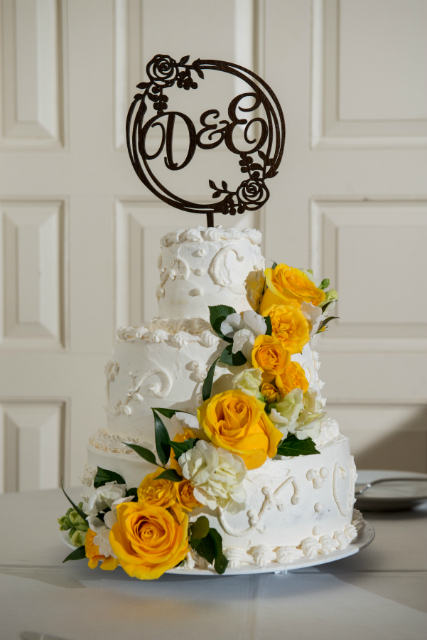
(207, 384)
(325, 306)
(181, 447)
(200, 528)
(169, 474)
(168, 413)
(274, 265)
(78, 554)
(324, 284)
(162, 439)
(269, 327)
(325, 322)
(205, 548)
(132, 492)
(232, 359)
(221, 561)
(143, 452)
(291, 446)
(105, 475)
(76, 508)
(220, 311)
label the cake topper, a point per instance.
(259, 161)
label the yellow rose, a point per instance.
(186, 496)
(180, 437)
(270, 392)
(255, 283)
(149, 540)
(289, 326)
(161, 493)
(269, 355)
(285, 284)
(292, 378)
(237, 422)
(92, 553)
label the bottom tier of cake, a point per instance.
(295, 507)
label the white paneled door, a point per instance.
(79, 233)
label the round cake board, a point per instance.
(364, 538)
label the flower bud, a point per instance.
(64, 523)
(77, 538)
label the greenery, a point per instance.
(200, 528)
(207, 384)
(105, 475)
(78, 554)
(232, 359)
(181, 447)
(162, 439)
(269, 327)
(143, 452)
(170, 474)
(291, 446)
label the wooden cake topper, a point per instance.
(252, 193)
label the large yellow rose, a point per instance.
(92, 553)
(186, 496)
(237, 422)
(269, 355)
(289, 326)
(149, 540)
(285, 284)
(161, 493)
(292, 378)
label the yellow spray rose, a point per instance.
(149, 540)
(180, 437)
(270, 392)
(237, 422)
(186, 496)
(92, 553)
(289, 326)
(285, 284)
(292, 378)
(154, 492)
(269, 355)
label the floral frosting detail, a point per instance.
(285, 284)
(238, 423)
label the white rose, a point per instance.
(103, 497)
(313, 315)
(216, 475)
(285, 413)
(249, 381)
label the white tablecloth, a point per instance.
(380, 592)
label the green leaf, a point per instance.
(207, 384)
(291, 446)
(105, 475)
(221, 561)
(325, 322)
(169, 474)
(143, 452)
(274, 265)
(132, 492)
(324, 284)
(76, 508)
(232, 359)
(325, 306)
(78, 554)
(181, 447)
(200, 528)
(205, 547)
(269, 327)
(217, 316)
(162, 439)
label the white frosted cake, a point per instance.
(280, 507)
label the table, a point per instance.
(380, 592)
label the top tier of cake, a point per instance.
(205, 267)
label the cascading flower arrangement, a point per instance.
(269, 411)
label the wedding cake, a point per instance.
(267, 468)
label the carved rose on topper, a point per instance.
(260, 162)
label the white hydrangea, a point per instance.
(244, 330)
(299, 413)
(217, 476)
